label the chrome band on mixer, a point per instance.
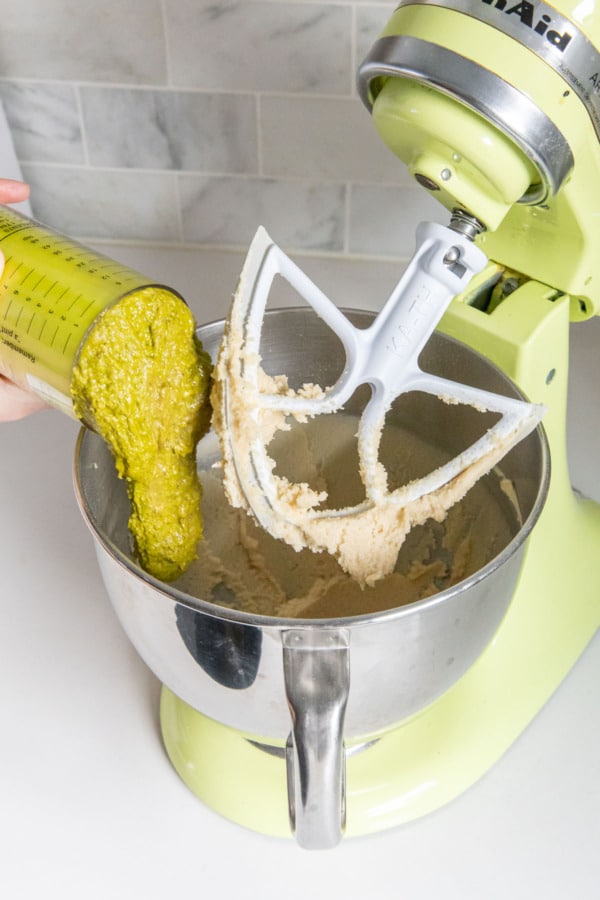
(505, 106)
(543, 30)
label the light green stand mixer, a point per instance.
(493, 108)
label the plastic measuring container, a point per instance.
(51, 291)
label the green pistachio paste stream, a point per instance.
(144, 380)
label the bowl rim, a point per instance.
(214, 610)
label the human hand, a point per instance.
(15, 403)
(12, 191)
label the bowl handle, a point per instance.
(316, 664)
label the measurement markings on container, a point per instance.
(9, 228)
(89, 306)
(60, 247)
(78, 297)
(73, 303)
(14, 271)
(66, 290)
(63, 311)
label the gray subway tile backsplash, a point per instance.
(45, 121)
(192, 122)
(324, 138)
(383, 218)
(168, 129)
(260, 46)
(300, 214)
(104, 203)
(109, 41)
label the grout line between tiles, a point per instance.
(233, 176)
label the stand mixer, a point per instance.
(493, 109)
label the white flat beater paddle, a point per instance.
(249, 407)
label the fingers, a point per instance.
(16, 403)
(12, 191)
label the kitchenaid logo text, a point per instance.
(543, 30)
(527, 14)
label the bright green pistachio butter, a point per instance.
(143, 379)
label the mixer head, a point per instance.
(494, 108)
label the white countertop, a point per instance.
(90, 807)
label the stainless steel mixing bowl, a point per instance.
(316, 682)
